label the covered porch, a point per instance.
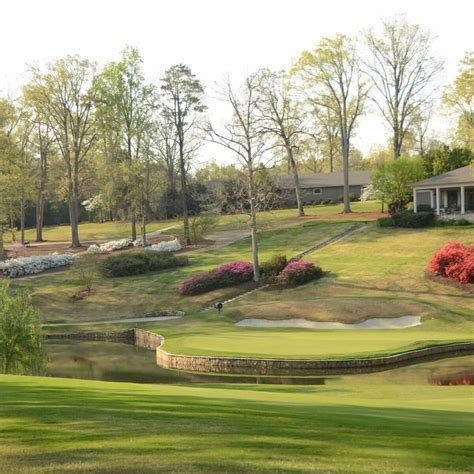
(448, 194)
(444, 200)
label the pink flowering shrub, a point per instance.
(299, 272)
(454, 261)
(229, 274)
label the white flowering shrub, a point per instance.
(138, 242)
(109, 246)
(169, 246)
(21, 266)
(95, 249)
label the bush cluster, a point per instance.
(299, 272)
(385, 222)
(412, 219)
(127, 264)
(21, 266)
(274, 266)
(454, 261)
(229, 274)
(451, 222)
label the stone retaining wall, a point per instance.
(126, 337)
(137, 337)
(306, 367)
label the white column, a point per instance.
(463, 200)
(437, 201)
(414, 201)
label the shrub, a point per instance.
(385, 222)
(226, 275)
(451, 222)
(16, 267)
(128, 264)
(169, 246)
(109, 246)
(299, 272)
(412, 219)
(454, 261)
(273, 266)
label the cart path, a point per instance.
(115, 321)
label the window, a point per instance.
(317, 191)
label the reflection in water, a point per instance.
(117, 362)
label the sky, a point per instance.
(216, 38)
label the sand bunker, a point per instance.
(374, 323)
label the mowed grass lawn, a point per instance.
(373, 273)
(134, 296)
(63, 425)
(121, 229)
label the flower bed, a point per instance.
(21, 266)
(169, 246)
(454, 261)
(299, 272)
(229, 274)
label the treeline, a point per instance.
(108, 144)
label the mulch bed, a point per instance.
(468, 288)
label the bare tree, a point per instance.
(243, 135)
(282, 119)
(402, 68)
(64, 94)
(332, 75)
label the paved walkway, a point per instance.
(114, 321)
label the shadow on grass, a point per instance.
(115, 426)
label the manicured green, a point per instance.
(348, 425)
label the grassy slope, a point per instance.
(59, 425)
(374, 273)
(118, 230)
(125, 297)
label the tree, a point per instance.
(440, 158)
(86, 271)
(126, 104)
(65, 96)
(281, 119)
(334, 80)
(401, 68)
(182, 105)
(243, 135)
(21, 340)
(392, 180)
(458, 98)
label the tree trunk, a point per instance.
(397, 143)
(41, 195)
(74, 211)
(345, 163)
(253, 228)
(144, 227)
(134, 226)
(22, 222)
(296, 180)
(184, 192)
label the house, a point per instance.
(449, 194)
(323, 186)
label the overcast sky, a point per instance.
(215, 37)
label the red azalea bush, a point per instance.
(299, 272)
(229, 274)
(454, 261)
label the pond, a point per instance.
(117, 362)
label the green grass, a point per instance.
(92, 231)
(60, 425)
(134, 296)
(374, 273)
(120, 229)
